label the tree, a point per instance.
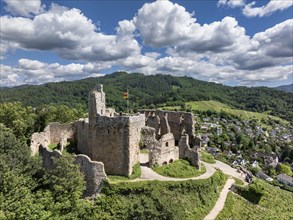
(66, 184)
(18, 118)
(283, 168)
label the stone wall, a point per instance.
(82, 136)
(161, 151)
(93, 171)
(135, 125)
(48, 155)
(37, 139)
(165, 152)
(176, 120)
(115, 142)
(94, 174)
(54, 133)
(185, 152)
(58, 131)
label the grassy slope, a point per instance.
(274, 204)
(218, 107)
(179, 169)
(191, 199)
(207, 157)
(135, 174)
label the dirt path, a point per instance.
(148, 174)
(221, 201)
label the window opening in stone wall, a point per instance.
(167, 144)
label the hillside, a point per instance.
(268, 203)
(154, 91)
(285, 88)
(218, 107)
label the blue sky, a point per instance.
(234, 42)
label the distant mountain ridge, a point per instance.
(153, 91)
(285, 88)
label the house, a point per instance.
(254, 164)
(263, 176)
(239, 161)
(219, 131)
(269, 159)
(285, 179)
(228, 153)
(213, 151)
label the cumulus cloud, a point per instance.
(68, 33)
(164, 24)
(36, 72)
(231, 3)
(250, 10)
(273, 5)
(24, 8)
(175, 44)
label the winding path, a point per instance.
(221, 201)
(148, 174)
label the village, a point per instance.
(259, 150)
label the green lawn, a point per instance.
(274, 204)
(179, 169)
(207, 157)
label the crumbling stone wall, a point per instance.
(165, 152)
(37, 139)
(58, 131)
(48, 155)
(185, 152)
(93, 171)
(161, 151)
(176, 120)
(94, 174)
(54, 133)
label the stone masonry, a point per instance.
(113, 140)
(93, 171)
(185, 152)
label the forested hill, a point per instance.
(151, 91)
(285, 88)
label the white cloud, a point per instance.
(23, 7)
(231, 3)
(36, 72)
(250, 11)
(176, 44)
(68, 33)
(273, 5)
(163, 23)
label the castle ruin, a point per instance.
(110, 142)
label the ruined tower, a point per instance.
(112, 139)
